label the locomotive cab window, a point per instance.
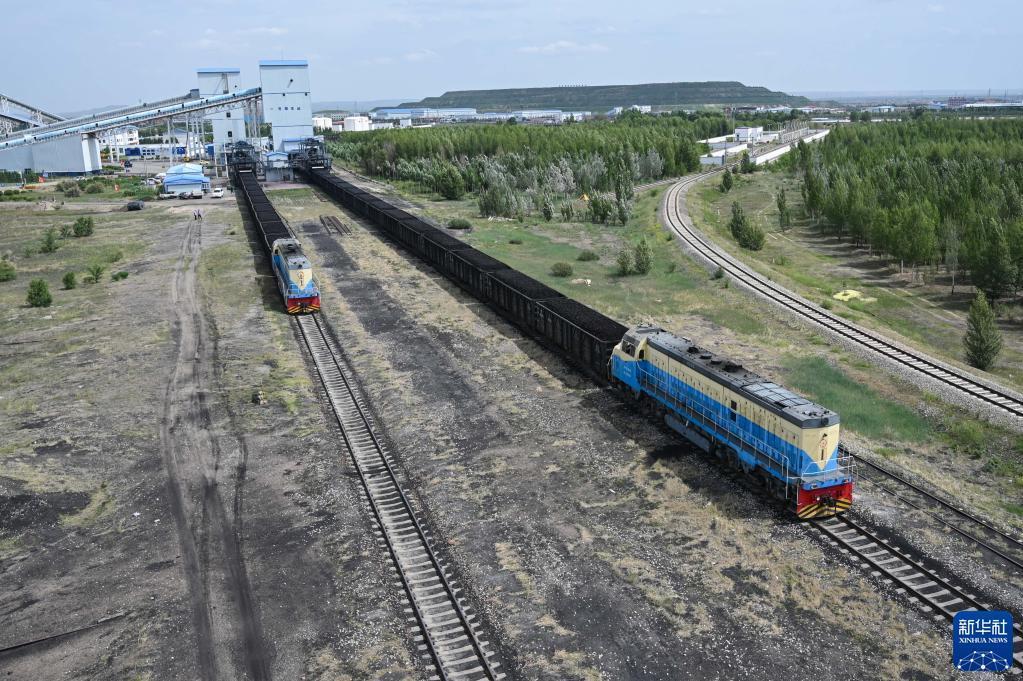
(731, 413)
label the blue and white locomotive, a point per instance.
(765, 430)
(295, 277)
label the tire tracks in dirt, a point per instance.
(228, 633)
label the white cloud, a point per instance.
(262, 30)
(563, 47)
(419, 55)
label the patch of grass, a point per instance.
(118, 276)
(100, 504)
(1016, 509)
(7, 271)
(968, 436)
(860, 407)
(459, 223)
(735, 319)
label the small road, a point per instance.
(952, 380)
(228, 634)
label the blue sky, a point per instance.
(79, 55)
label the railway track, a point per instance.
(333, 223)
(932, 593)
(955, 379)
(1006, 547)
(448, 636)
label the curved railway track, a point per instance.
(932, 593)
(449, 638)
(958, 380)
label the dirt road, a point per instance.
(228, 632)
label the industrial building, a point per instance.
(228, 124)
(287, 105)
(323, 123)
(749, 134)
(185, 178)
(50, 144)
(357, 124)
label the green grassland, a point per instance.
(918, 313)
(884, 413)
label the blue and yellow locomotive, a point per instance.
(295, 277)
(765, 430)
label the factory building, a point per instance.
(749, 135)
(186, 177)
(229, 125)
(286, 102)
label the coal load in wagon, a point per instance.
(586, 318)
(527, 286)
(480, 260)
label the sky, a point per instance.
(67, 55)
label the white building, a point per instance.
(357, 124)
(121, 137)
(228, 126)
(323, 123)
(287, 106)
(749, 135)
(73, 154)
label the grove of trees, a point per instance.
(517, 170)
(925, 192)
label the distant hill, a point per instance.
(599, 98)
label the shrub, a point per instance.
(567, 211)
(561, 269)
(95, 271)
(72, 192)
(719, 273)
(726, 182)
(459, 223)
(515, 241)
(115, 256)
(642, 257)
(39, 293)
(66, 231)
(49, 243)
(624, 263)
(69, 281)
(84, 226)
(548, 209)
(118, 276)
(94, 188)
(7, 271)
(587, 256)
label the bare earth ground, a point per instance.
(137, 478)
(596, 546)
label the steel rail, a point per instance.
(932, 593)
(919, 362)
(451, 638)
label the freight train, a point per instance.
(292, 271)
(758, 427)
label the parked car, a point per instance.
(217, 193)
(190, 195)
(135, 205)
(166, 195)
